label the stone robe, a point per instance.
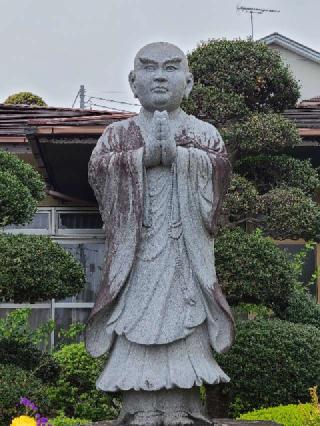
(159, 308)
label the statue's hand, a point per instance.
(164, 137)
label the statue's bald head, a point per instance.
(160, 51)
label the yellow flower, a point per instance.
(24, 421)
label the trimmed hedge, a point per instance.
(272, 362)
(25, 98)
(287, 415)
(289, 213)
(241, 200)
(267, 133)
(14, 384)
(248, 68)
(252, 269)
(75, 391)
(208, 102)
(271, 171)
(35, 268)
(29, 357)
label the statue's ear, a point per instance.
(132, 79)
(189, 84)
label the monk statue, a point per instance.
(159, 178)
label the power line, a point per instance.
(112, 100)
(255, 10)
(109, 108)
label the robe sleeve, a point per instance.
(115, 173)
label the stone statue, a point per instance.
(159, 178)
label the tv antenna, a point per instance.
(255, 10)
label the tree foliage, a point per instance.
(21, 188)
(252, 269)
(290, 213)
(25, 98)
(247, 68)
(35, 268)
(272, 171)
(272, 362)
(260, 132)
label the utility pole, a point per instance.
(82, 95)
(255, 10)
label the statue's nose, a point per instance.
(160, 77)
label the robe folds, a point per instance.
(117, 175)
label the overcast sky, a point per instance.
(50, 47)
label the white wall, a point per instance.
(305, 71)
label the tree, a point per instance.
(242, 87)
(21, 188)
(25, 98)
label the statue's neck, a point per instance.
(173, 115)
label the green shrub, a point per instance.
(271, 171)
(67, 421)
(289, 213)
(16, 203)
(241, 200)
(14, 384)
(25, 98)
(215, 105)
(27, 175)
(267, 133)
(248, 68)
(286, 415)
(75, 392)
(252, 269)
(272, 362)
(35, 268)
(28, 357)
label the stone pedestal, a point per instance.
(215, 422)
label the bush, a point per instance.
(35, 268)
(14, 384)
(289, 213)
(302, 308)
(248, 68)
(67, 421)
(252, 269)
(241, 199)
(27, 175)
(271, 171)
(267, 133)
(75, 392)
(28, 357)
(16, 203)
(272, 362)
(25, 98)
(286, 415)
(215, 105)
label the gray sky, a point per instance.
(50, 47)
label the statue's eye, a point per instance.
(171, 68)
(150, 67)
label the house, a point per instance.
(303, 61)
(58, 142)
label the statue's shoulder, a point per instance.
(119, 125)
(201, 128)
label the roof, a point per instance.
(15, 120)
(294, 46)
(306, 118)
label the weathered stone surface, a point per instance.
(215, 422)
(159, 179)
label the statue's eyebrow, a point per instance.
(176, 59)
(147, 61)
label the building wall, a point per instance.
(304, 70)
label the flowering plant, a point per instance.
(32, 417)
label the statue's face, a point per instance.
(160, 78)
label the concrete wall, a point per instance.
(305, 71)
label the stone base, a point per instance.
(215, 422)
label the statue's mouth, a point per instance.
(159, 89)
